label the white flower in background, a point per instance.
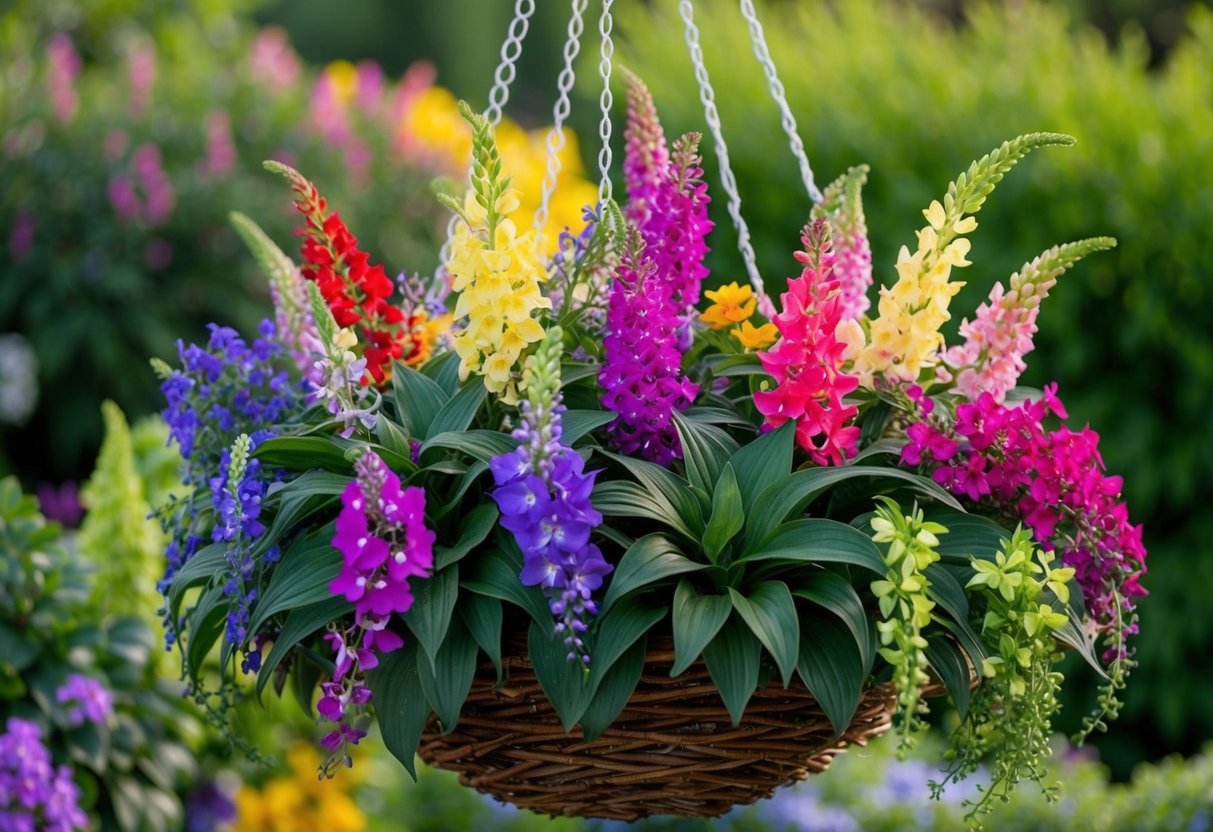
(18, 379)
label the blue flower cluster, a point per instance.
(222, 391)
(543, 492)
(34, 795)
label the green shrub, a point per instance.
(914, 96)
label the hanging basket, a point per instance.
(673, 749)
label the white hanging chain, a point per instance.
(605, 101)
(707, 97)
(499, 94)
(560, 112)
(763, 54)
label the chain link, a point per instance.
(605, 101)
(560, 112)
(763, 54)
(707, 97)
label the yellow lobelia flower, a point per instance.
(755, 338)
(731, 304)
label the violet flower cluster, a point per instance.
(543, 492)
(87, 700)
(383, 539)
(1054, 480)
(35, 796)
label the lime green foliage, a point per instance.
(1013, 709)
(908, 93)
(1036, 279)
(118, 534)
(909, 548)
(158, 465)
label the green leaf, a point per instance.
(835, 593)
(617, 498)
(301, 453)
(400, 704)
(947, 591)
(392, 437)
(457, 414)
(618, 630)
(443, 368)
(433, 602)
(565, 682)
(614, 691)
(732, 659)
(789, 496)
(482, 616)
(205, 564)
(665, 487)
(478, 444)
(299, 624)
(832, 667)
(770, 614)
(764, 462)
(307, 568)
(577, 423)
(949, 664)
(818, 540)
(496, 576)
(648, 560)
(696, 621)
(706, 449)
(206, 622)
(418, 399)
(17, 650)
(473, 530)
(727, 514)
(571, 371)
(447, 680)
(969, 536)
(747, 364)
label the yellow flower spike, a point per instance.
(755, 338)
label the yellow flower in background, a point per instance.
(342, 77)
(732, 304)
(433, 134)
(755, 338)
(299, 801)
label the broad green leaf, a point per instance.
(949, 664)
(18, 650)
(448, 679)
(303, 576)
(947, 591)
(433, 602)
(881, 447)
(459, 411)
(300, 623)
(746, 364)
(478, 444)
(206, 624)
(727, 514)
(578, 423)
(400, 704)
(705, 450)
(565, 682)
(571, 371)
(418, 399)
(648, 560)
(619, 498)
(770, 613)
(208, 562)
(818, 540)
(696, 621)
(969, 536)
(717, 416)
(667, 487)
(496, 576)
(443, 368)
(483, 617)
(614, 691)
(300, 453)
(474, 528)
(732, 659)
(832, 668)
(462, 483)
(835, 593)
(789, 496)
(764, 462)
(392, 437)
(618, 630)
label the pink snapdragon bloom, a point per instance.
(63, 67)
(646, 160)
(272, 61)
(220, 150)
(805, 362)
(842, 205)
(159, 199)
(142, 76)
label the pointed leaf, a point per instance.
(478, 444)
(949, 664)
(832, 668)
(401, 707)
(648, 560)
(448, 679)
(969, 536)
(300, 453)
(764, 462)
(205, 564)
(483, 617)
(474, 528)
(835, 593)
(418, 399)
(732, 660)
(616, 631)
(769, 611)
(705, 450)
(618, 498)
(817, 540)
(459, 411)
(433, 603)
(696, 621)
(727, 514)
(565, 682)
(300, 623)
(443, 368)
(496, 576)
(307, 568)
(614, 691)
(578, 423)
(667, 487)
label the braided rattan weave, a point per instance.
(673, 749)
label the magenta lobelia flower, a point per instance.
(805, 362)
(646, 159)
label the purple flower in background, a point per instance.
(208, 808)
(34, 795)
(87, 700)
(61, 503)
(21, 236)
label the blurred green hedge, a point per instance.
(1126, 334)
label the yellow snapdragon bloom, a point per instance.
(731, 304)
(755, 337)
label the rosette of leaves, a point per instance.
(132, 768)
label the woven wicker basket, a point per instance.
(673, 749)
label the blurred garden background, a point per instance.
(131, 128)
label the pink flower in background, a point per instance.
(87, 700)
(158, 191)
(368, 86)
(122, 197)
(115, 144)
(142, 76)
(62, 70)
(21, 237)
(272, 62)
(220, 150)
